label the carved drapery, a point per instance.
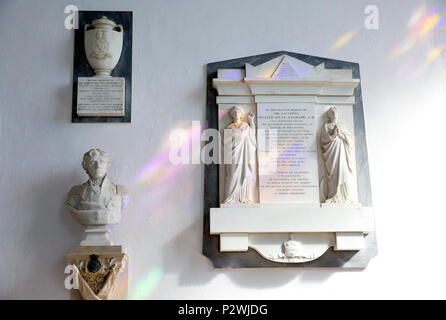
(98, 285)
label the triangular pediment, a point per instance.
(292, 67)
(282, 67)
(264, 70)
(286, 68)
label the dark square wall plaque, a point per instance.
(123, 68)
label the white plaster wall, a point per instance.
(41, 150)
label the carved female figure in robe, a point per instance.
(240, 144)
(337, 146)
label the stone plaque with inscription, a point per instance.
(294, 192)
(100, 96)
(288, 166)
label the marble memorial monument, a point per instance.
(96, 264)
(102, 67)
(102, 94)
(296, 189)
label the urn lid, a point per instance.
(103, 21)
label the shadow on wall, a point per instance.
(71, 230)
(70, 226)
(63, 95)
(196, 269)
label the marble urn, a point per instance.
(103, 45)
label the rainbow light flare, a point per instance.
(159, 175)
(157, 178)
(433, 54)
(222, 113)
(159, 168)
(343, 40)
(441, 23)
(421, 25)
(147, 284)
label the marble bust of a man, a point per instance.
(98, 202)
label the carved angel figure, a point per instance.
(337, 145)
(240, 144)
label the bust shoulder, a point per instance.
(121, 190)
(75, 191)
(75, 195)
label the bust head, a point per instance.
(237, 113)
(333, 115)
(96, 163)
